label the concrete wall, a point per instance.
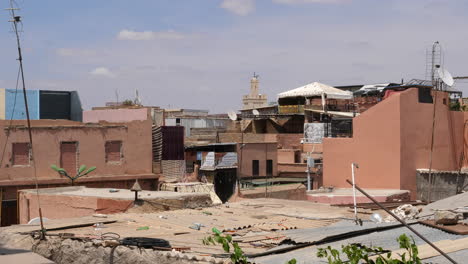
(260, 152)
(115, 115)
(391, 140)
(445, 184)
(18, 109)
(48, 134)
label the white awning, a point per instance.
(335, 113)
(317, 89)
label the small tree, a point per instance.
(81, 172)
(128, 102)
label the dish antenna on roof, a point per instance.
(255, 112)
(445, 76)
(232, 115)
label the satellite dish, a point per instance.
(255, 112)
(445, 76)
(232, 115)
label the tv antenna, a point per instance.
(434, 60)
(16, 20)
(232, 115)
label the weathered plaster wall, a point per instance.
(375, 147)
(416, 132)
(260, 152)
(48, 134)
(115, 115)
(286, 156)
(392, 139)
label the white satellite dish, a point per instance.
(232, 115)
(445, 76)
(255, 112)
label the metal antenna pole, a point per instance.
(356, 219)
(15, 21)
(433, 62)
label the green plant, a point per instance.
(455, 106)
(128, 102)
(361, 254)
(237, 256)
(81, 172)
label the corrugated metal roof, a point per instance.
(385, 239)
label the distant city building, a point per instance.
(194, 119)
(42, 104)
(254, 99)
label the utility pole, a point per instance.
(15, 21)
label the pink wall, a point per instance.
(286, 156)
(115, 115)
(391, 140)
(47, 136)
(260, 152)
(67, 206)
(375, 147)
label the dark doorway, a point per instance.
(269, 167)
(225, 183)
(9, 213)
(255, 168)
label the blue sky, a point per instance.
(202, 53)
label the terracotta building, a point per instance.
(392, 139)
(122, 152)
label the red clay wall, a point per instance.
(136, 149)
(391, 140)
(260, 152)
(64, 206)
(416, 133)
(375, 147)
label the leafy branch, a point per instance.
(372, 255)
(81, 172)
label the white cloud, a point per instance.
(239, 7)
(295, 2)
(126, 34)
(103, 71)
(67, 52)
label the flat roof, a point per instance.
(120, 194)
